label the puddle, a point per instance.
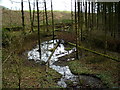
(64, 70)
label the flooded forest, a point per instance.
(47, 48)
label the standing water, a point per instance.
(46, 50)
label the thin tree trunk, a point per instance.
(23, 24)
(105, 19)
(38, 29)
(115, 21)
(92, 16)
(98, 12)
(30, 15)
(43, 21)
(89, 16)
(86, 24)
(46, 15)
(109, 24)
(118, 27)
(52, 21)
(76, 30)
(33, 15)
(89, 25)
(116, 17)
(81, 16)
(71, 15)
(112, 20)
(79, 23)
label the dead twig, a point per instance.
(8, 57)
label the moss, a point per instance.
(107, 71)
(79, 68)
(67, 49)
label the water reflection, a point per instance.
(64, 70)
(45, 51)
(59, 52)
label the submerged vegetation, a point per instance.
(90, 34)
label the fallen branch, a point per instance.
(7, 57)
(48, 61)
(95, 52)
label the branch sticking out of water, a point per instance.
(48, 61)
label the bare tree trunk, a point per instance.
(81, 22)
(30, 15)
(112, 20)
(43, 21)
(89, 25)
(38, 29)
(118, 27)
(52, 21)
(109, 24)
(23, 23)
(33, 15)
(46, 15)
(71, 15)
(76, 30)
(79, 25)
(98, 12)
(105, 19)
(86, 24)
(92, 16)
(115, 20)
(116, 17)
(89, 16)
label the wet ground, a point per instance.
(59, 61)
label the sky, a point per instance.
(64, 5)
(57, 4)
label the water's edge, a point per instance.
(67, 76)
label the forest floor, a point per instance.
(15, 64)
(94, 65)
(17, 67)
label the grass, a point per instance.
(101, 67)
(32, 74)
(13, 18)
(107, 69)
